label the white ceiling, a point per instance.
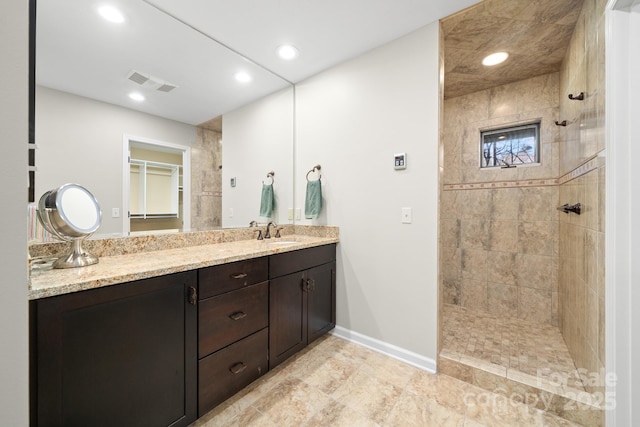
(78, 52)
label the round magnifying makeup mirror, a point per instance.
(72, 214)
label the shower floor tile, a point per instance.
(518, 348)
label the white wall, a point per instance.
(623, 211)
(351, 120)
(80, 140)
(257, 139)
(14, 351)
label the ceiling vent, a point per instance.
(137, 77)
(150, 82)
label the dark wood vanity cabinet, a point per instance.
(233, 336)
(166, 350)
(122, 355)
(302, 299)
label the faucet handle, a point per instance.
(278, 232)
(259, 234)
(253, 224)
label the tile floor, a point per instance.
(335, 383)
(534, 349)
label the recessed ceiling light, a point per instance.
(243, 77)
(111, 14)
(495, 59)
(287, 52)
(136, 96)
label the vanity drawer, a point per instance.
(226, 318)
(223, 278)
(303, 259)
(227, 371)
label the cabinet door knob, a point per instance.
(239, 276)
(238, 315)
(193, 295)
(237, 368)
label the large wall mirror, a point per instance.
(87, 67)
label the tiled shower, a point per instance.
(522, 283)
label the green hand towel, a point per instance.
(267, 201)
(313, 200)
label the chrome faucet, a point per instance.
(267, 234)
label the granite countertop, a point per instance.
(46, 281)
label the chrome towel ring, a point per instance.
(270, 175)
(316, 168)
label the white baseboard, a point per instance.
(387, 349)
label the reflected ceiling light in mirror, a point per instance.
(111, 14)
(495, 59)
(136, 96)
(287, 52)
(242, 77)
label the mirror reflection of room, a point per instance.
(84, 109)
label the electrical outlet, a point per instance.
(298, 213)
(230, 212)
(290, 216)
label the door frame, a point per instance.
(127, 139)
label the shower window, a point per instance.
(518, 145)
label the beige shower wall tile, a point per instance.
(461, 110)
(502, 102)
(474, 234)
(539, 204)
(538, 92)
(536, 271)
(450, 233)
(452, 291)
(534, 305)
(505, 204)
(502, 267)
(474, 264)
(474, 294)
(502, 300)
(591, 259)
(452, 160)
(538, 238)
(450, 202)
(476, 204)
(450, 262)
(503, 236)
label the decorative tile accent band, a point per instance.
(502, 184)
(590, 165)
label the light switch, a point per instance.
(406, 215)
(115, 213)
(298, 213)
(230, 212)
(290, 216)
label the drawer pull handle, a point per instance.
(238, 367)
(193, 295)
(239, 276)
(239, 315)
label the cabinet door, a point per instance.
(322, 302)
(121, 355)
(287, 317)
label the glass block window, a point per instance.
(518, 145)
